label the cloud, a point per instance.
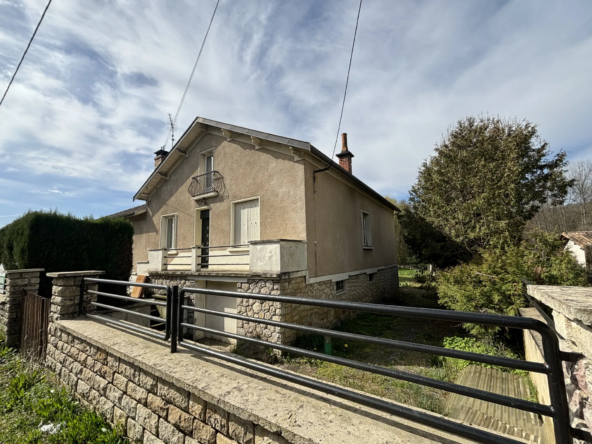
(91, 102)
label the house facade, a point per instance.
(579, 243)
(235, 209)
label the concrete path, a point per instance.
(506, 420)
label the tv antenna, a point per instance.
(172, 132)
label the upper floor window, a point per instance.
(366, 230)
(168, 231)
(245, 221)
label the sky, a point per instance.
(90, 103)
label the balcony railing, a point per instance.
(206, 184)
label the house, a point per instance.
(579, 243)
(232, 208)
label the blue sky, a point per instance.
(91, 101)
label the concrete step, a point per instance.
(504, 420)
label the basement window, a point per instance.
(371, 277)
(339, 286)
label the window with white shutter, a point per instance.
(246, 221)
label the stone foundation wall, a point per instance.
(358, 288)
(17, 281)
(150, 409)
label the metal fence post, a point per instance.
(174, 318)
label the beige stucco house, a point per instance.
(236, 209)
(579, 243)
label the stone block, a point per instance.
(120, 382)
(99, 384)
(147, 419)
(135, 432)
(221, 439)
(93, 398)
(82, 388)
(129, 371)
(129, 406)
(114, 395)
(105, 408)
(119, 417)
(264, 436)
(137, 393)
(106, 372)
(63, 281)
(180, 419)
(240, 430)
(69, 291)
(148, 382)
(149, 438)
(203, 433)
(217, 418)
(169, 434)
(197, 407)
(157, 405)
(100, 356)
(173, 394)
(113, 363)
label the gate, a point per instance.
(34, 325)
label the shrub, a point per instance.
(493, 284)
(58, 242)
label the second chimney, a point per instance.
(160, 156)
(345, 156)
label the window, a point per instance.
(371, 277)
(339, 286)
(168, 231)
(209, 160)
(245, 221)
(366, 230)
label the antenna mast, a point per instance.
(172, 132)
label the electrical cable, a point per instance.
(351, 56)
(174, 121)
(25, 53)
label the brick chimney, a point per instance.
(345, 156)
(160, 156)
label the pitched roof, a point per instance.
(199, 127)
(580, 238)
(130, 212)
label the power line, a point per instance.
(351, 56)
(174, 121)
(25, 53)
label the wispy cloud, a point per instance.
(91, 101)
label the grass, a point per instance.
(407, 277)
(412, 330)
(35, 409)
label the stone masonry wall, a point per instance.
(17, 281)
(150, 409)
(358, 288)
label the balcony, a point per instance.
(267, 257)
(206, 185)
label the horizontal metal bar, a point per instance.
(395, 310)
(127, 298)
(418, 416)
(570, 356)
(221, 246)
(176, 257)
(421, 348)
(581, 434)
(224, 255)
(127, 326)
(130, 312)
(397, 374)
(125, 283)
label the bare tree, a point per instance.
(581, 192)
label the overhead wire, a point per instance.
(351, 56)
(25, 53)
(174, 121)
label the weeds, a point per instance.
(34, 410)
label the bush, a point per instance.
(58, 242)
(493, 284)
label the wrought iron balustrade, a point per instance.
(206, 184)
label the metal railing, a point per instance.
(552, 367)
(206, 183)
(199, 256)
(168, 326)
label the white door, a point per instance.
(225, 305)
(246, 221)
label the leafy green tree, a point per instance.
(487, 179)
(492, 282)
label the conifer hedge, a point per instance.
(58, 242)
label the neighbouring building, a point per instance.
(579, 243)
(232, 208)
